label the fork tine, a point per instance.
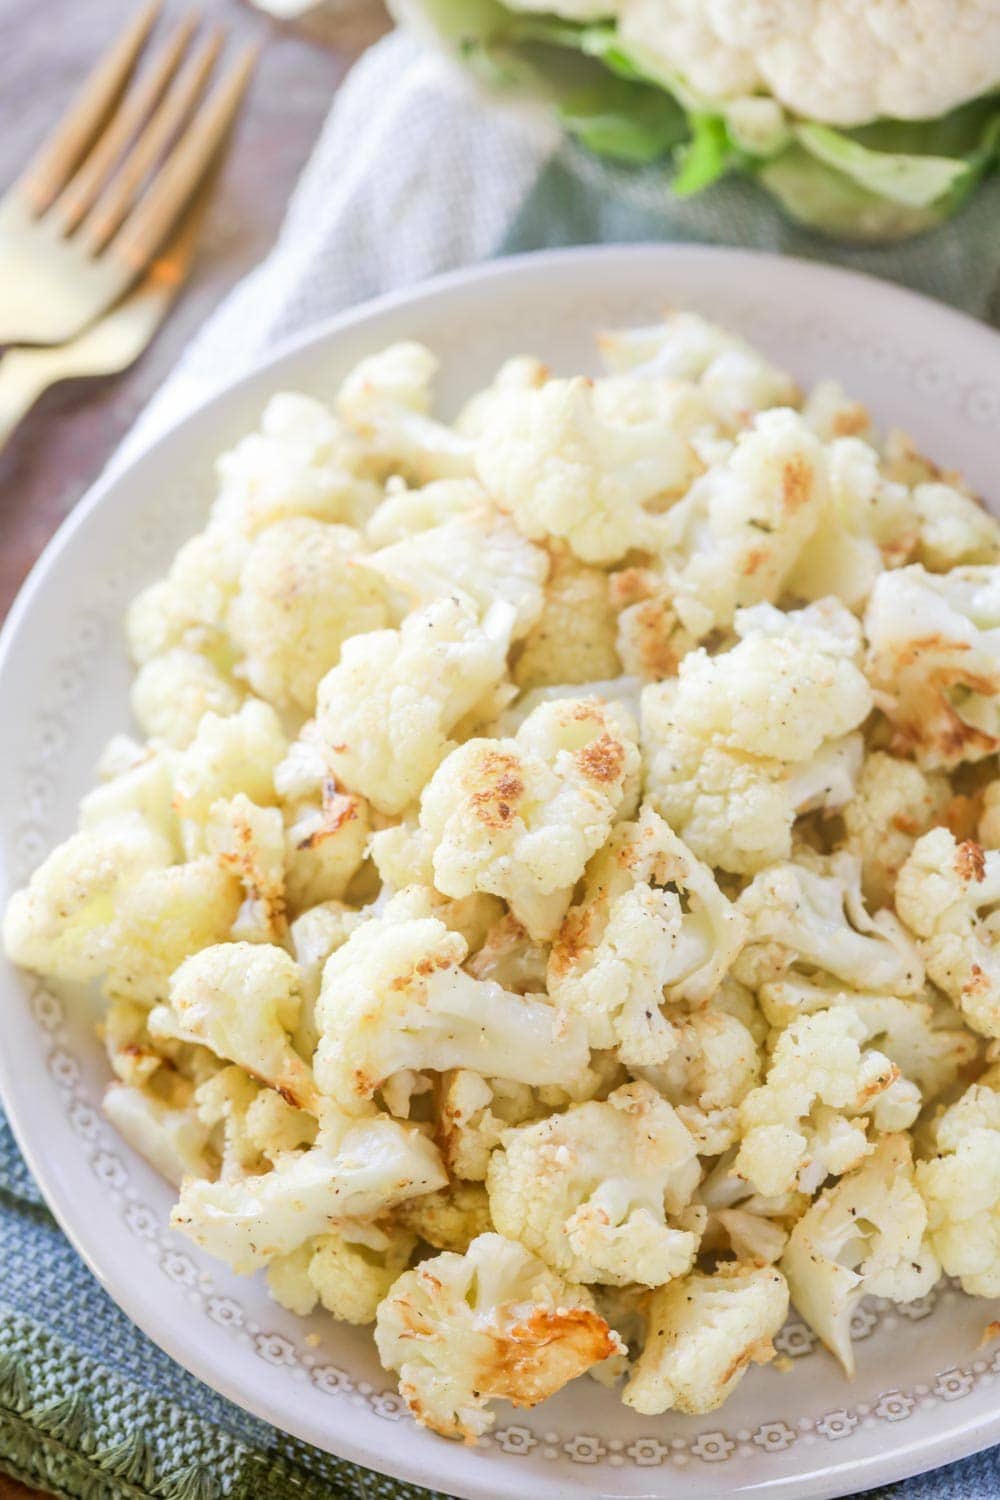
(185, 166)
(52, 165)
(138, 104)
(117, 198)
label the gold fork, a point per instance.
(104, 191)
(110, 344)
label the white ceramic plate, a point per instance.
(925, 1392)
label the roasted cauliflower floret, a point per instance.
(303, 591)
(301, 462)
(810, 1118)
(960, 1185)
(895, 802)
(173, 692)
(386, 399)
(737, 744)
(249, 844)
(864, 1237)
(63, 923)
(573, 640)
(386, 711)
(630, 944)
(737, 534)
(712, 1065)
(348, 1277)
(947, 893)
(703, 1333)
(356, 1171)
(472, 1113)
(326, 839)
(934, 661)
(590, 1190)
(520, 817)
(188, 607)
(492, 1324)
(650, 638)
(242, 1001)
(585, 461)
(394, 998)
(450, 1219)
(479, 557)
(168, 1135)
(405, 513)
(227, 757)
(162, 918)
(808, 914)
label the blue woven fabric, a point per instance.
(88, 1407)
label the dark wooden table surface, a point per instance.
(45, 49)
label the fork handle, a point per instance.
(22, 381)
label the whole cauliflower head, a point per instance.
(521, 817)
(590, 1190)
(844, 64)
(866, 1236)
(584, 461)
(385, 712)
(630, 944)
(356, 1171)
(947, 893)
(934, 661)
(394, 997)
(737, 744)
(304, 589)
(960, 1184)
(492, 1324)
(703, 1333)
(823, 1091)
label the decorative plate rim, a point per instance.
(929, 1450)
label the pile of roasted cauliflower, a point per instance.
(552, 913)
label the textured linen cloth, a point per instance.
(411, 176)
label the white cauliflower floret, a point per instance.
(188, 607)
(521, 817)
(348, 1277)
(229, 756)
(934, 660)
(62, 924)
(249, 842)
(521, 373)
(252, 1127)
(703, 1333)
(735, 537)
(172, 693)
(823, 60)
(479, 557)
(810, 1117)
(955, 530)
(303, 591)
(450, 1219)
(864, 1237)
(809, 914)
(921, 1034)
(947, 893)
(302, 462)
(169, 1136)
(242, 1001)
(356, 1170)
(730, 743)
(894, 804)
(161, 918)
(386, 711)
(395, 998)
(509, 956)
(325, 844)
(752, 1227)
(386, 399)
(145, 790)
(405, 513)
(832, 413)
(584, 461)
(735, 378)
(960, 1185)
(712, 1066)
(590, 1190)
(492, 1324)
(650, 639)
(573, 640)
(630, 944)
(472, 1113)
